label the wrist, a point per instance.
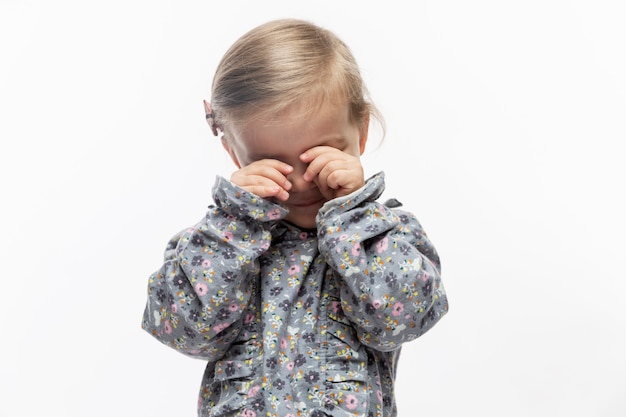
(240, 203)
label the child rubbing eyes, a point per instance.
(298, 288)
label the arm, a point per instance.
(391, 288)
(197, 299)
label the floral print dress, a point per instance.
(292, 322)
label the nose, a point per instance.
(298, 184)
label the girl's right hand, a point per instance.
(266, 178)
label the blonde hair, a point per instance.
(284, 62)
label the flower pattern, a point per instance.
(294, 322)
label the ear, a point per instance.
(363, 131)
(230, 151)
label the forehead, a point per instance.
(297, 128)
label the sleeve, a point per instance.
(197, 299)
(390, 285)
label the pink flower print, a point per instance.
(252, 392)
(273, 214)
(201, 288)
(293, 269)
(249, 318)
(376, 304)
(249, 413)
(174, 308)
(335, 306)
(289, 415)
(290, 366)
(382, 245)
(219, 327)
(398, 308)
(233, 307)
(228, 236)
(168, 327)
(304, 235)
(356, 249)
(206, 263)
(351, 402)
(343, 237)
(379, 394)
(283, 343)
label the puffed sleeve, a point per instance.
(197, 299)
(390, 285)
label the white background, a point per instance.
(506, 124)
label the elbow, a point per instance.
(428, 317)
(206, 343)
(401, 324)
(388, 333)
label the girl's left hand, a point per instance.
(336, 173)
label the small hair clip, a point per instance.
(210, 117)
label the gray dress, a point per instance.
(292, 322)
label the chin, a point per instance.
(303, 222)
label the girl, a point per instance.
(298, 288)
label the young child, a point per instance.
(298, 288)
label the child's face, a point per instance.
(300, 162)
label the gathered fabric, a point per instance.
(297, 322)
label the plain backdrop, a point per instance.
(505, 135)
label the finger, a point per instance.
(328, 193)
(318, 151)
(343, 176)
(265, 178)
(346, 180)
(320, 161)
(347, 164)
(268, 191)
(264, 164)
(261, 186)
(314, 152)
(271, 169)
(274, 163)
